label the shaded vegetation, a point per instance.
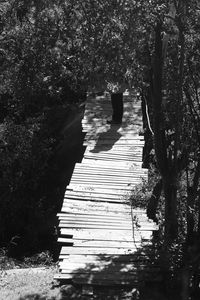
(50, 55)
(39, 98)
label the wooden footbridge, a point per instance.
(105, 241)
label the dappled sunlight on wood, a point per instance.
(104, 240)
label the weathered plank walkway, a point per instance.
(105, 241)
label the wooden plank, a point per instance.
(107, 184)
(113, 157)
(97, 250)
(76, 208)
(111, 167)
(100, 193)
(98, 138)
(144, 227)
(114, 152)
(138, 147)
(114, 141)
(98, 180)
(86, 185)
(95, 281)
(121, 214)
(87, 170)
(113, 178)
(124, 187)
(94, 196)
(141, 257)
(115, 239)
(95, 226)
(109, 237)
(121, 134)
(98, 222)
(97, 206)
(108, 144)
(91, 211)
(106, 234)
(127, 131)
(109, 269)
(136, 221)
(76, 260)
(97, 120)
(101, 243)
(102, 168)
(113, 134)
(102, 217)
(83, 268)
(109, 156)
(126, 167)
(98, 215)
(105, 206)
(121, 222)
(102, 185)
(119, 164)
(91, 173)
(109, 179)
(97, 191)
(96, 218)
(139, 222)
(95, 199)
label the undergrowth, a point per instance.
(42, 259)
(142, 192)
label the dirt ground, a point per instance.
(39, 284)
(30, 283)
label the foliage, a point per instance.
(169, 84)
(51, 52)
(25, 153)
(142, 192)
(39, 259)
(39, 91)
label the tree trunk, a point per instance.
(153, 201)
(170, 192)
(199, 213)
(164, 162)
(185, 283)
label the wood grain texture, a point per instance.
(105, 241)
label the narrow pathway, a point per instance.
(105, 241)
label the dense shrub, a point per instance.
(26, 151)
(39, 95)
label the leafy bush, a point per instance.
(142, 192)
(39, 93)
